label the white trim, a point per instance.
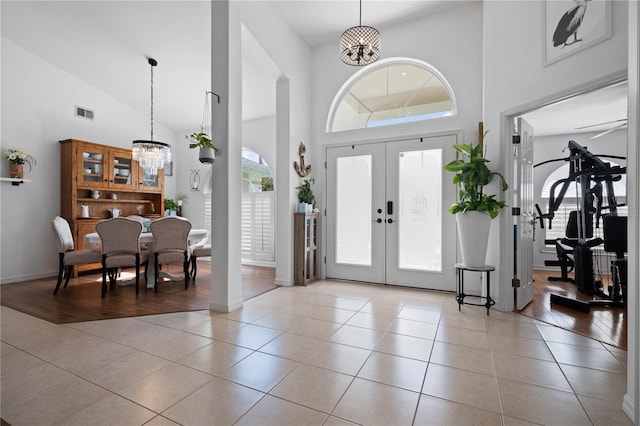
(218, 307)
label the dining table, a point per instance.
(197, 238)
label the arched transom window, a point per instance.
(396, 90)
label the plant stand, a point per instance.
(460, 268)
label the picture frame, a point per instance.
(168, 169)
(594, 28)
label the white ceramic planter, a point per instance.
(473, 235)
(207, 155)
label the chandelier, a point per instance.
(152, 155)
(360, 45)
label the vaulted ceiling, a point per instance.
(106, 44)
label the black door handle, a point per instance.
(389, 207)
(379, 220)
(390, 220)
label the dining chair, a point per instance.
(121, 248)
(171, 245)
(196, 252)
(67, 255)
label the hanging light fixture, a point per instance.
(360, 45)
(152, 155)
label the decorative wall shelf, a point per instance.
(14, 181)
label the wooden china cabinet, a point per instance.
(101, 178)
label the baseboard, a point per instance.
(219, 307)
(21, 278)
(283, 283)
(628, 406)
(263, 263)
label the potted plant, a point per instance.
(170, 207)
(474, 209)
(17, 160)
(208, 150)
(306, 198)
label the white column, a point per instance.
(226, 72)
(283, 187)
(631, 404)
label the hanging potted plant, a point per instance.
(208, 151)
(306, 199)
(17, 160)
(474, 209)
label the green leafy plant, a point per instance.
(305, 193)
(201, 140)
(266, 183)
(471, 176)
(169, 204)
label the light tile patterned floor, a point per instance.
(332, 353)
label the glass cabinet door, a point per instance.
(123, 172)
(150, 183)
(92, 164)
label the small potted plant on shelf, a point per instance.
(170, 207)
(208, 150)
(306, 198)
(17, 160)
(474, 209)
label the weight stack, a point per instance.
(583, 259)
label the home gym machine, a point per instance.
(591, 176)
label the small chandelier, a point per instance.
(152, 155)
(360, 45)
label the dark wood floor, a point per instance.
(606, 324)
(81, 300)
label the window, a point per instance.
(397, 90)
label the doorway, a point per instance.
(595, 119)
(387, 218)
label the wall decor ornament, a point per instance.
(302, 169)
(194, 180)
(574, 25)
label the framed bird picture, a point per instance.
(574, 25)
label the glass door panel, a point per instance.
(421, 239)
(355, 207)
(353, 210)
(420, 210)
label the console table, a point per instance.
(460, 268)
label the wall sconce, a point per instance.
(194, 180)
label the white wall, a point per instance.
(515, 77)
(291, 55)
(551, 147)
(38, 102)
(458, 56)
(293, 58)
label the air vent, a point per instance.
(84, 113)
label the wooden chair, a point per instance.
(68, 257)
(120, 248)
(171, 245)
(196, 252)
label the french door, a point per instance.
(387, 218)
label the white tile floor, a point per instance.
(331, 353)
